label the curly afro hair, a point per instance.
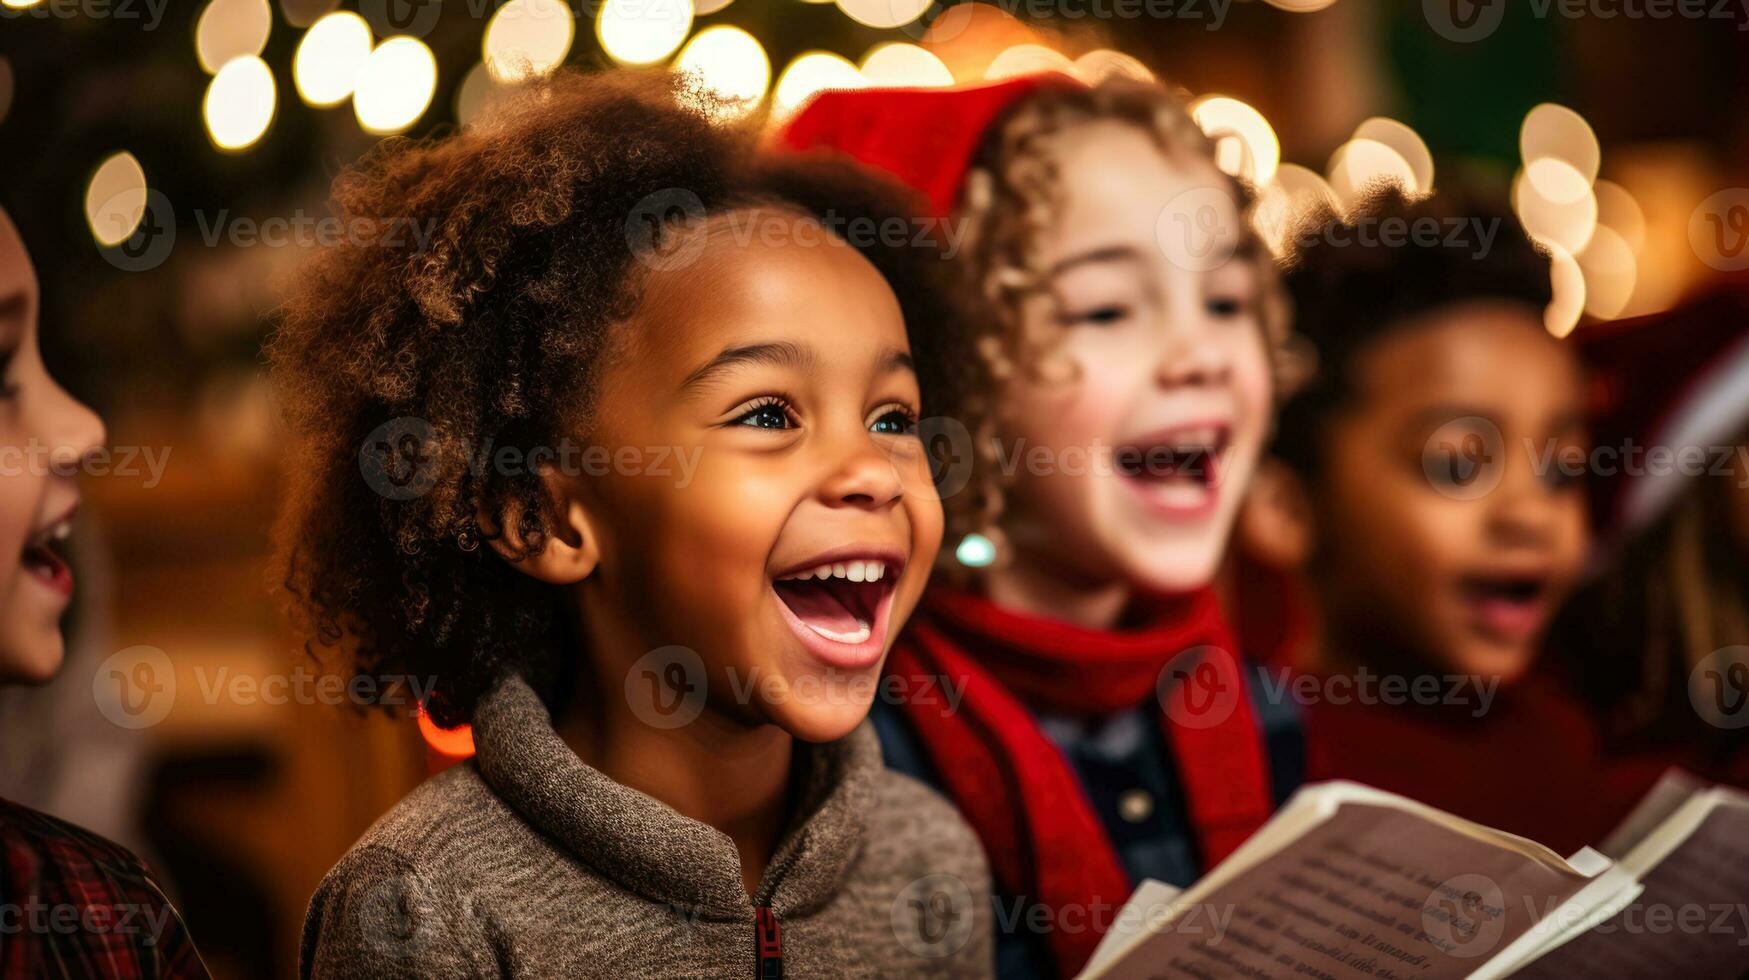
(399, 359)
(1357, 278)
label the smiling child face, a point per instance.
(779, 364)
(44, 433)
(1443, 523)
(1169, 391)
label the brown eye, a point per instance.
(766, 415)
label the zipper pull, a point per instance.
(767, 944)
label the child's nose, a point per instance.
(864, 477)
(1191, 356)
(72, 431)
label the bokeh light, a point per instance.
(1361, 166)
(1555, 202)
(115, 199)
(395, 86)
(240, 103)
(730, 63)
(1617, 209)
(1610, 271)
(230, 29)
(703, 7)
(1555, 131)
(811, 72)
(883, 14)
(1568, 305)
(1408, 144)
(1102, 63)
(477, 92)
(1294, 192)
(1027, 59)
(528, 38)
(642, 32)
(898, 64)
(329, 57)
(1245, 143)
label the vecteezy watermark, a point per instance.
(1213, 13)
(401, 459)
(1718, 230)
(933, 916)
(1200, 687)
(1473, 234)
(1281, 685)
(669, 229)
(1467, 457)
(1464, 915)
(137, 687)
(1206, 921)
(1466, 21)
(1718, 687)
(36, 458)
(140, 922)
(303, 230)
(668, 687)
(148, 13)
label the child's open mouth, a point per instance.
(838, 609)
(42, 558)
(1511, 607)
(1176, 472)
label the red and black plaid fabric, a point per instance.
(75, 905)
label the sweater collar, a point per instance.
(647, 847)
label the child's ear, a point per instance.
(571, 549)
(1275, 522)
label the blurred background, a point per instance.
(167, 164)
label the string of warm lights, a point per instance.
(1594, 229)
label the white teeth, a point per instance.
(853, 571)
(860, 635)
(62, 531)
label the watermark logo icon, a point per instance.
(1718, 230)
(1199, 688)
(933, 916)
(1465, 458)
(1198, 230)
(152, 238)
(666, 687)
(1718, 687)
(1464, 21)
(398, 459)
(1465, 915)
(413, 18)
(136, 687)
(654, 222)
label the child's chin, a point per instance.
(1175, 569)
(34, 659)
(822, 723)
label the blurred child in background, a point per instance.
(73, 903)
(1657, 641)
(1128, 322)
(1422, 489)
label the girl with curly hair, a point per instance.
(619, 464)
(1127, 329)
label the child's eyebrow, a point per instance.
(894, 359)
(780, 353)
(1107, 253)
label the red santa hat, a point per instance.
(925, 137)
(1674, 382)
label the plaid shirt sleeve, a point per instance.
(75, 905)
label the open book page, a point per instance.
(1672, 790)
(1149, 906)
(1691, 919)
(1349, 882)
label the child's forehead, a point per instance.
(1473, 345)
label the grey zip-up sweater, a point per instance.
(527, 862)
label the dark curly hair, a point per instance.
(1355, 279)
(396, 360)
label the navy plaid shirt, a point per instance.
(75, 905)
